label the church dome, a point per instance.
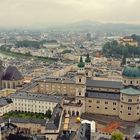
(81, 64)
(87, 60)
(131, 72)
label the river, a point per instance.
(4, 56)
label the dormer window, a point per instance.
(129, 100)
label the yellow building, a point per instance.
(128, 40)
(36, 103)
(82, 94)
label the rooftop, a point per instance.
(81, 63)
(57, 80)
(4, 102)
(12, 73)
(37, 97)
(131, 72)
(104, 84)
(25, 120)
(54, 122)
(84, 132)
(103, 95)
(130, 91)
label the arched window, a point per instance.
(14, 86)
(4, 85)
(8, 85)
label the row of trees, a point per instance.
(28, 43)
(35, 44)
(114, 49)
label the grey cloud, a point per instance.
(28, 12)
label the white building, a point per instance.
(36, 103)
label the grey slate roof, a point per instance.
(2, 120)
(8, 127)
(103, 95)
(84, 132)
(3, 102)
(104, 84)
(54, 122)
(37, 97)
(24, 120)
(57, 80)
(12, 73)
(29, 86)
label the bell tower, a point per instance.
(81, 83)
(88, 67)
(1, 73)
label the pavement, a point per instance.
(125, 127)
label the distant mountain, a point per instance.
(87, 26)
(90, 26)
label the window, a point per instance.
(105, 107)
(129, 108)
(8, 85)
(106, 102)
(79, 93)
(79, 101)
(114, 108)
(97, 106)
(121, 106)
(80, 80)
(14, 86)
(137, 100)
(137, 113)
(89, 101)
(129, 100)
(138, 107)
(89, 106)
(124, 81)
(131, 82)
(120, 111)
(114, 103)
(129, 113)
(97, 101)
(4, 85)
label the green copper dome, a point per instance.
(131, 72)
(81, 63)
(87, 60)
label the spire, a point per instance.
(87, 60)
(81, 63)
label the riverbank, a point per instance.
(25, 56)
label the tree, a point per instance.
(123, 61)
(117, 135)
(49, 113)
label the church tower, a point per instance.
(81, 83)
(88, 67)
(1, 73)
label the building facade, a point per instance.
(96, 96)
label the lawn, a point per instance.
(27, 115)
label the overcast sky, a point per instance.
(37, 12)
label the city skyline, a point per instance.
(44, 12)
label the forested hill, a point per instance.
(114, 49)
